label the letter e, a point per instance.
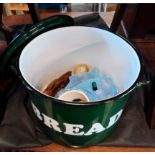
(73, 129)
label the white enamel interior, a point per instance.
(53, 53)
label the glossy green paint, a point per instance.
(78, 114)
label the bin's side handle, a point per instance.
(145, 70)
(25, 37)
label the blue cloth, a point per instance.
(105, 86)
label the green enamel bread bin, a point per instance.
(49, 54)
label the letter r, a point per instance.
(51, 123)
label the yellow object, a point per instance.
(80, 69)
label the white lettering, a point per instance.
(96, 128)
(114, 118)
(37, 112)
(73, 129)
(51, 123)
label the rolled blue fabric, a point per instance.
(105, 87)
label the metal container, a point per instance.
(54, 52)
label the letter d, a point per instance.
(114, 118)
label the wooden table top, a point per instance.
(54, 147)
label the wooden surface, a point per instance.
(54, 147)
(59, 148)
(15, 8)
(18, 6)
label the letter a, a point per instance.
(96, 128)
